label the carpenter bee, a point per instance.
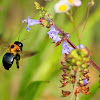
(14, 54)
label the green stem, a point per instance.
(75, 85)
(74, 26)
(87, 13)
(86, 17)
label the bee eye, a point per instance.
(12, 46)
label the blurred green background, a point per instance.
(38, 76)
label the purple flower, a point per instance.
(30, 22)
(85, 81)
(67, 36)
(54, 34)
(66, 48)
(81, 46)
(56, 39)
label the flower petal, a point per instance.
(56, 39)
(30, 22)
(81, 46)
(85, 81)
(66, 48)
(77, 3)
(54, 34)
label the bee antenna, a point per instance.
(24, 39)
(18, 37)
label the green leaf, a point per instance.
(93, 90)
(31, 90)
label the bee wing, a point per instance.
(4, 44)
(25, 54)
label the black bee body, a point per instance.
(8, 58)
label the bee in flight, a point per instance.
(14, 54)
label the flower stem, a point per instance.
(94, 65)
(75, 85)
(87, 13)
(74, 26)
(91, 3)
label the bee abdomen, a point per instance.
(8, 59)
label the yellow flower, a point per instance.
(62, 6)
(70, 2)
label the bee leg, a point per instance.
(17, 60)
(17, 63)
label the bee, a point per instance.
(14, 54)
